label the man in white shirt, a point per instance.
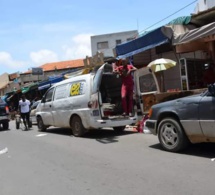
(24, 107)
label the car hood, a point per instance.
(179, 101)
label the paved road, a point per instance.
(56, 163)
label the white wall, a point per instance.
(203, 5)
(111, 38)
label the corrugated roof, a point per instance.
(60, 65)
(63, 65)
(204, 17)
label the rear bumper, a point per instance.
(102, 123)
(151, 125)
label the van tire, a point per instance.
(40, 124)
(78, 129)
(5, 125)
(119, 129)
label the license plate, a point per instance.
(95, 112)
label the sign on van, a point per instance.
(77, 89)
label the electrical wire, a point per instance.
(135, 35)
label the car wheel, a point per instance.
(78, 129)
(40, 124)
(171, 135)
(5, 125)
(119, 129)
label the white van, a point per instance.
(89, 101)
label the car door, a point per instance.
(145, 88)
(46, 108)
(61, 105)
(207, 115)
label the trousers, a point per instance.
(127, 98)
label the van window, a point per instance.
(147, 83)
(49, 94)
(77, 88)
(61, 92)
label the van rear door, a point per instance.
(95, 100)
(145, 88)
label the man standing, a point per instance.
(124, 71)
(24, 108)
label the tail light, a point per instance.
(7, 109)
(107, 113)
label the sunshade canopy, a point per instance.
(147, 41)
(179, 37)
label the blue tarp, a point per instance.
(48, 83)
(147, 41)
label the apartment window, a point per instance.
(102, 45)
(118, 41)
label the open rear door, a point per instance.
(146, 87)
(95, 98)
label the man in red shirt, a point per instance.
(127, 86)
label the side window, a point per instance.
(61, 92)
(147, 83)
(77, 88)
(118, 41)
(102, 45)
(49, 94)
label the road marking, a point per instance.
(40, 135)
(213, 159)
(5, 150)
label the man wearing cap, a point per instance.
(124, 70)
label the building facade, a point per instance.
(203, 5)
(107, 42)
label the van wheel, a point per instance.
(78, 129)
(40, 124)
(119, 129)
(5, 125)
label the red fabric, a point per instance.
(126, 79)
(127, 98)
(127, 88)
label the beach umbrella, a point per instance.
(161, 64)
